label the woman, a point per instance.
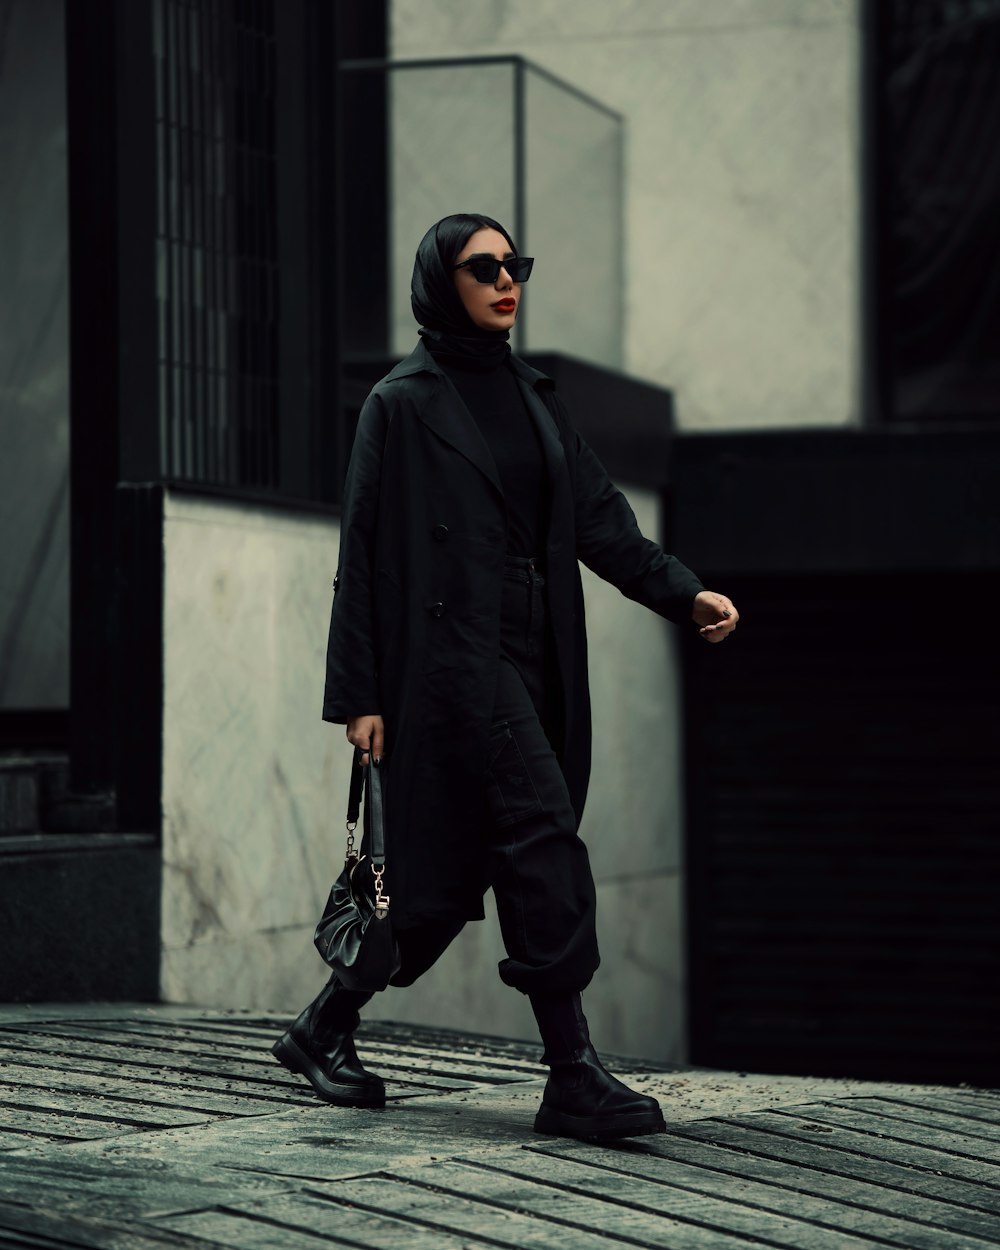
(457, 645)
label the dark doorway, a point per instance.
(844, 812)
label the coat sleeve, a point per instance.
(351, 665)
(609, 542)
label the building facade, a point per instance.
(742, 246)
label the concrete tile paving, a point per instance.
(130, 1127)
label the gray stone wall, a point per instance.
(254, 783)
(741, 185)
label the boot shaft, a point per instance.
(332, 1014)
(562, 1026)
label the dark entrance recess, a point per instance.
(933, 174)
(842, 784)
(203, 322)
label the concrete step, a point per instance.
(35, 797)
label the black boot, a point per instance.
(320, 1046)
(582, 1099)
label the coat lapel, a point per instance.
(448, 417)
(446, 414)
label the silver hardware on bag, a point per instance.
(381, 900)
(351, 852)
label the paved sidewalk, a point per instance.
(124, 1128)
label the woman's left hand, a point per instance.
(715, 614)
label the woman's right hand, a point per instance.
(367, 732)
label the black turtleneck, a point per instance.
(493, 396)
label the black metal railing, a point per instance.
(217, 286)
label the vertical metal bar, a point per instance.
(619, 284)
(197, 233)
(182, 239)
(191, 466)
(271, 293)
(204, 108)
(94, 397)
(162, 246)
(234, 224)
(240, 396)
(248, 259)
(874, 383)
(190, 201)
(230, 417)
(255, 361)
(271, 308)
(190, 195)
(213, 89)
(198, 183)
(173, 467)
(520, 175)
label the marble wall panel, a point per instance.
(419, 25)
(633, 819)
(636, 1004)
(274, 970)
(741, 184)
(451, 138)
(34, 358)
(254, 783)
(572, 159)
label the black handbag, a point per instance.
(354, 935)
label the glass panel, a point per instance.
(574, 223)
(34, 360)
(451, 144)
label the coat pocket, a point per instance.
(510, 792)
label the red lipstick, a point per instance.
(504, 305)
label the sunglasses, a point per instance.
(487, 268)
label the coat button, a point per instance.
(440, 533)
(437, 609)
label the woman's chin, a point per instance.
(498, 321)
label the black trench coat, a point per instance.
(415, 626)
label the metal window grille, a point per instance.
(216, 241)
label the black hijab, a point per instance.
(446, 328)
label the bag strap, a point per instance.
(370, 774)
(375, 813)
(357, 784)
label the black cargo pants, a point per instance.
(538, 866)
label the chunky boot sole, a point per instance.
(291, 1055)
(598, 1127)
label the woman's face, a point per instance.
(491, 305)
